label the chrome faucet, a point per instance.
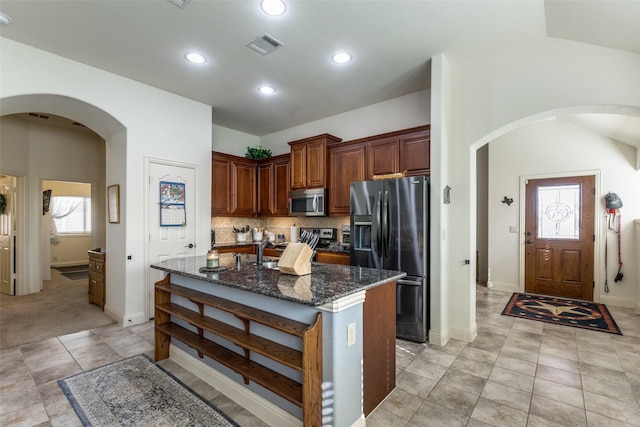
(261, 247)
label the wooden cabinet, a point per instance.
(233, 186)
(378, 345)
(395, 152)
(309, 161)
(382, 157)
(273, 186)
(341, 258)
(304, 357)
(97, 284)
(346, 165)
(243, 249)
(415, 152)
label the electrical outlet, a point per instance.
(351, 334)
(513, 229)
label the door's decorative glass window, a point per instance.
(559, 212)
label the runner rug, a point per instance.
(138, 392)
(562, 311)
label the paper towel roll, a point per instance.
(294, 235)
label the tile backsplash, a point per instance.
(223, 226)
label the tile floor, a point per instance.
(515, 373)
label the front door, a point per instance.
(7, 282)
(172, 225)
(559, 236)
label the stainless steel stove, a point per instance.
(327, 236)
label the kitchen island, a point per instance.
(351, 309)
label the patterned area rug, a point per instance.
(138, 392)
(562, 311)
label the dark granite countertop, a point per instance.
(325, 284)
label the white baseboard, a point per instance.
(616, 301)
(76, 263)
(464, 334)
(437, 338)
(257, 405)
(134, 319)
(506, 287)
(112, 313)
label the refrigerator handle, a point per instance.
(385, 225)
(376, 225)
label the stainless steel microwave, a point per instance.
(311, 202)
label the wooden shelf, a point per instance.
(306, 394)
(250, 370)
(282, 354)
(242, 311)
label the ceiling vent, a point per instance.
(264, 44)
(180, 3)
(39, 116)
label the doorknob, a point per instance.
(529, 242)
(190, 246)
(528, 233)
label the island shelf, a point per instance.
(305, 394)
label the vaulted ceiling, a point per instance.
(391, 43)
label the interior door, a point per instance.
(7, 282)
(559, 236)
(169, 241)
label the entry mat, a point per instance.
(138, 392)
(562, 311)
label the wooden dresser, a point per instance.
(96, 277)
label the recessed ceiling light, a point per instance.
(196, 58)
(266, 90)
(4, 19)
(273, 7)
(341, 57)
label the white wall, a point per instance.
(43, 152)
(137, 122)
(550, 147)
(396, 114)
(493, 94)
(230, 141)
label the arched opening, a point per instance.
(603, 141)
(78, 147)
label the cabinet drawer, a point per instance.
(97, 266)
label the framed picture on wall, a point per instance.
(113, 203)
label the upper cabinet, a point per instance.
(273, 186)
(362, 159)
(346, 165)
(415, 152)
(402, 151)
(233, 186)
(309, 161)
(383, 157)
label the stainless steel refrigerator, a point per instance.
(390, 230)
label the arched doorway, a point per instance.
(103, 124)
(554, 143)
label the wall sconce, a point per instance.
(507, 201)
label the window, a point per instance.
(72, 215)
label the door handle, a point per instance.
(529, 242)
(190, 246)
(315, 204)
